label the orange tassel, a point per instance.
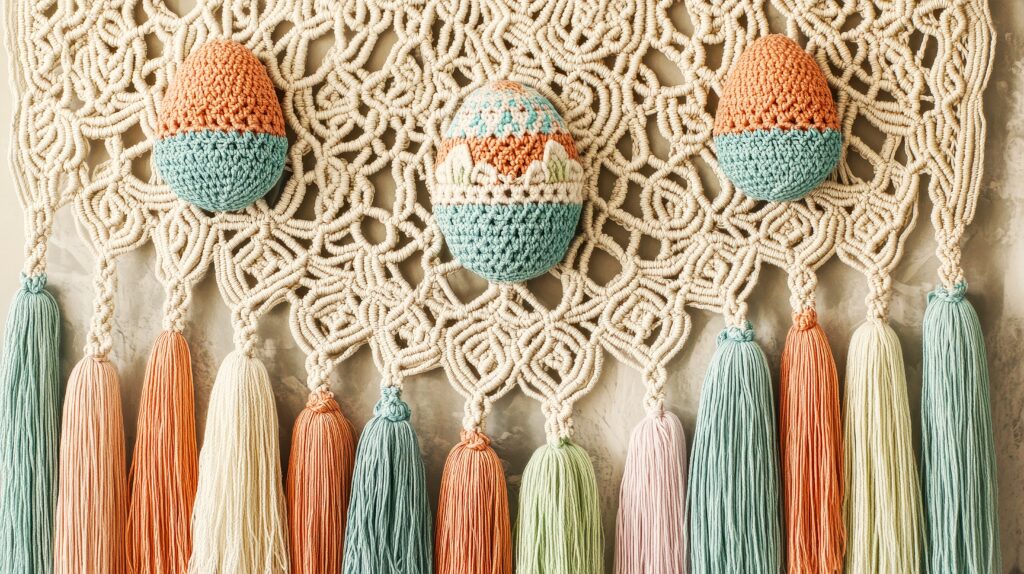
(165, 465)
(93, 487)
(319, 483)
(812, 450)
(473, 534)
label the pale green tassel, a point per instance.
(559, 526)
(958, 456)
(389, 523)
(883, 498)
(29, 427)
(733, 498)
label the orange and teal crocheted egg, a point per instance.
(776, 131)
(222, 142)
(509, 185)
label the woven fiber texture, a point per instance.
(776, 129)
(220, 171)
(775, 85)
(351, 244)
(779, 165)
(509, 185)
(221, 130)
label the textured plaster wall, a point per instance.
(994, 248)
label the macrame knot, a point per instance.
(391, 406)
(806, 319)
(475, 440)
(322, 401)
(954, 295)
(34, 283)
(740, 334)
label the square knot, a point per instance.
(391, 406)
(739, 334)
(33, 283)
(475, 440)
(322, 401)
(806, 319)
(954, 295)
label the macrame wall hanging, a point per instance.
(523, 139)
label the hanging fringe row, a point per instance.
(883, 500)
(733, 497)
(29, 410)
(238, 522)
(651, 525)
(93, 488)
(241, 483)
(319, 484)
(389, 523)
(164, 467)
(958, 454)
(811, 437)
(559, 526)
(473, 533)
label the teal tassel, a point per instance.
(958, 455)
(559, 526)
(29, 423)
(389, 524)
(733, 497)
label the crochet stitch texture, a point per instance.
(653, 203)
(776, 132)
(222, 141)
(509, 185)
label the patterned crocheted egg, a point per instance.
(509, 184)
(221, 132)
(776, 130)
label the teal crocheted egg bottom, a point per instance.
(218, 170)
(778, 165)
(508, 243)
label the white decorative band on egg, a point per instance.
(555, 179)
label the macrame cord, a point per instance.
(348, 242)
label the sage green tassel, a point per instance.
(733, 497)
(958, 455)
(389, 524)
(29, 427)
(559, 526)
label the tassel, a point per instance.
(164, 467)
(319, 483)
(389, 526)
(651, 537)
(958, 455)
(559, 527)
(473, 530)
(733, 499)
(811, 437)
(238, 522)
(29, 407)
(93, 488)
(883, 500)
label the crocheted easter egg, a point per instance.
(776, 130)
(509, 184)
(221, 132)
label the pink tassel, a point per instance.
(93, 490)
(651, 535)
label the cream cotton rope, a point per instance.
(347, 240)
(94, 78)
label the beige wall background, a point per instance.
(994, 262)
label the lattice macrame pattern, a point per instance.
(367, 87)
